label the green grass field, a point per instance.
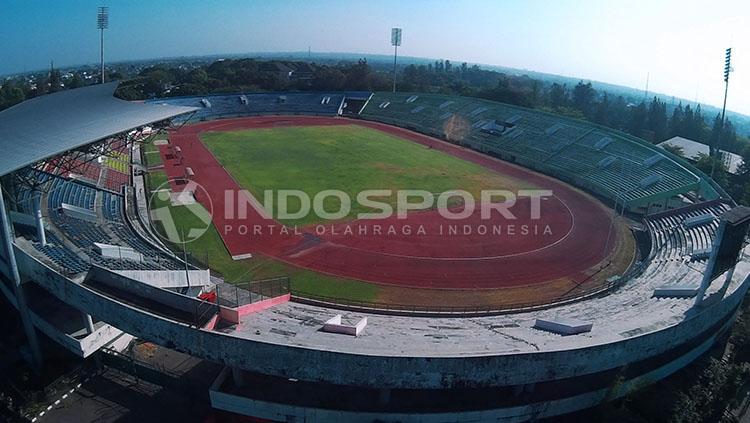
(348, 158)
(311, 159)
(210, 251)
(157, 180)
(151, 155)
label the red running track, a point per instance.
(566, 242)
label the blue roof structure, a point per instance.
(49, 125)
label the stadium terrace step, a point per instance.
(572, 148)
(250, 104)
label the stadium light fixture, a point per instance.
(395, 42)
(716, 150)
(727, 63)
(102, 23)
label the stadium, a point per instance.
(634, 268)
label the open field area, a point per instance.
(151, 151)
(311, 154)
(349, 158)
(210, 251)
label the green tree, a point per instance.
(698, 125)
(10, 95)
(715, 134)
(602, 110)
(705, 162)
(583, 98)
(198, 76)
(714, 392)
(558, 95)
(675, 122)
(657, 120)
(675, 149)
(76, 81)
(637, 121)
(54, 80)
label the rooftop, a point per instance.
(52, 124)
(692, 149)
(628, 312)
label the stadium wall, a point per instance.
(529, 412)
(685, 338)
(381, 371)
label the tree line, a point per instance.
(20, 88)
(251, 75)
(651, 119)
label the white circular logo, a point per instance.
(176, 215)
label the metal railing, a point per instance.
(239, 294)
(468, 310)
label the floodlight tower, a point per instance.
(102, 23)
(717, 148)
(395, 42)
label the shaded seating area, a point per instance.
(56, 251)
(251, 104)
(71, 240)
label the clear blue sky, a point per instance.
(679, 43)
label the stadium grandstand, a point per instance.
(247, 104)
(610, 164)
(605, 162)
(82, 265)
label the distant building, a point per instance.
(693, 149)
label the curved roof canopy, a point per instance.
(50, 125)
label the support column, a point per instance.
(728, 280)
(237, 377)
(36, 352)
(89, 322)
(41, 236)
(706, 281)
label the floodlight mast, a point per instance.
(395, 42)
(716, 150)
(102, 23)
